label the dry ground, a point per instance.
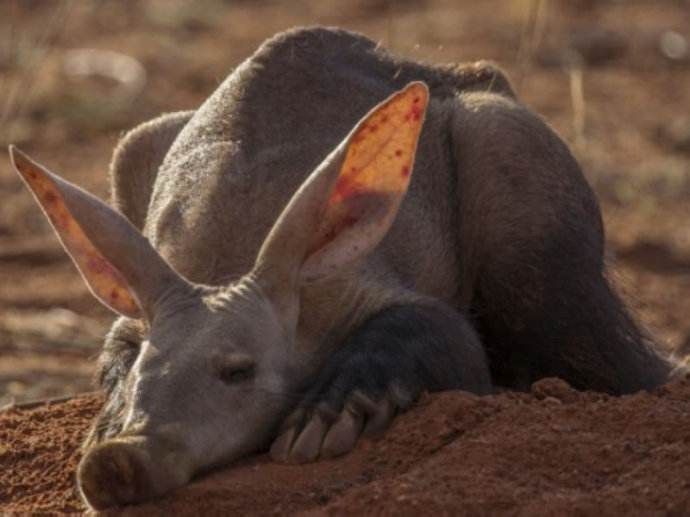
(550, 452)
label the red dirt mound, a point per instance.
(550, 452)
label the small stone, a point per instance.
(674, 46)
(554, 388)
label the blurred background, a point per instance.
(612, 77)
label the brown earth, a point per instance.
(553, 451)
(612, 77)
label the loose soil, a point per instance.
(553, 451)
(622, 106)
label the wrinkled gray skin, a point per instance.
(207, 186)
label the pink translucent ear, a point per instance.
(106, 282)
(346, 206)
(117, 262)
(371, 183)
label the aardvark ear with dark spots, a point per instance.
(116, 261)
(346, 206)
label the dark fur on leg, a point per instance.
(417, 347)
(381, 369)
(581, 333)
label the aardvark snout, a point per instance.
(129, 470)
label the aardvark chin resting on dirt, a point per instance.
(334, 231)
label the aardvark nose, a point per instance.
(131, 469)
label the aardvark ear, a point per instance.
(117, 262)
(346, 206)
